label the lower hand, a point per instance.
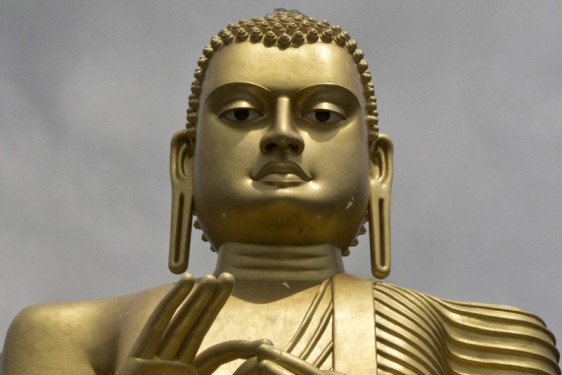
(272, 361)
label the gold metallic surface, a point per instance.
(282, 168)
(308, 203)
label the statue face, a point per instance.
(281, 153)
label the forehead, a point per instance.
(283, 70)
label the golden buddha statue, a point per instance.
(282, 163)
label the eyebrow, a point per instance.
(242, 85)
(254, 86)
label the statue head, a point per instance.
(284, 30)
(282, 144)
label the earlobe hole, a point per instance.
(179, 223)
(382, 238)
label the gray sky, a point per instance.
(471, 93)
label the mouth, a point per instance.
(281, 171)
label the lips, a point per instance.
(281, 167)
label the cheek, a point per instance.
(211, 148)
(227, 143)
(223, 160)
(345, 155)
(348, 169)
(206, 167)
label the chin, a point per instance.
(284, 224)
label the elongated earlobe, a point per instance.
(181, 155)
(379, 237)
(379, 206)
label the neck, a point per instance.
(279, 263)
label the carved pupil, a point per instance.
(242, 114)
(322, 116)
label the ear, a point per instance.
(181, 156)
(181, 174)
(381, 152)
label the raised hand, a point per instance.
(171, 337)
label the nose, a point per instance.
(282, 135)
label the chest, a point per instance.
(273, 314)
(290, 323)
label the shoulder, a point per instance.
(79, 337)
(54, 336)
(464, 337)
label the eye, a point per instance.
(240, 114)
(324, 116)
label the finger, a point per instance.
(147, 342)
(215, 356)
(190, 346)
(185, 318)
(286, 360)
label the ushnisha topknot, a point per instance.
(285, 29)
